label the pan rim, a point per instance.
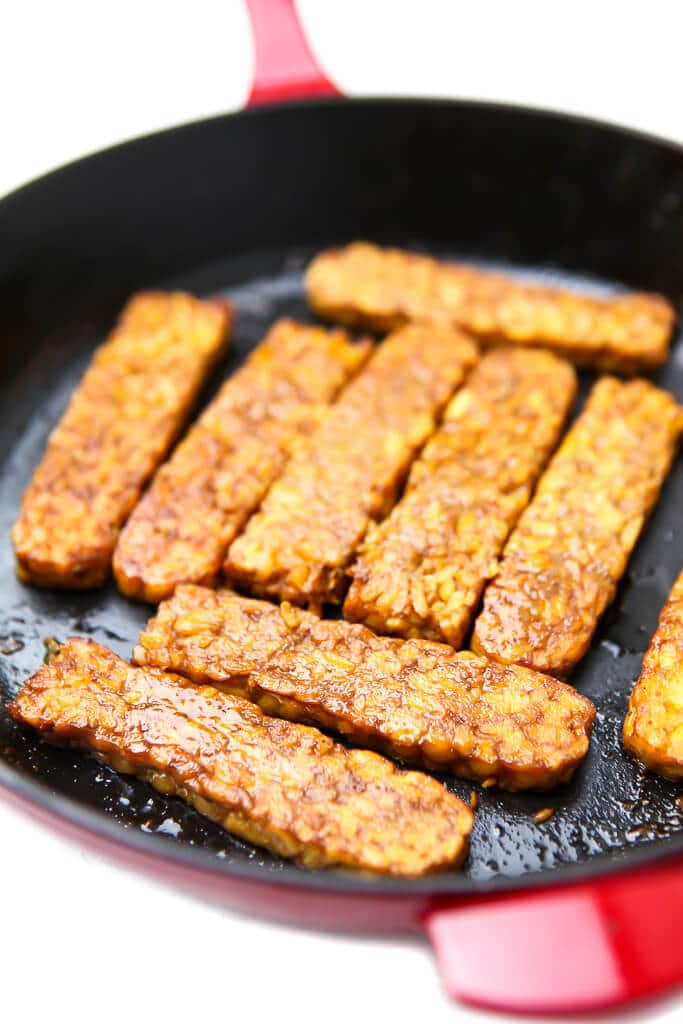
(94, 822)
(332, 102)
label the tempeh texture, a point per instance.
(362, 284)
(279, 785)
(121, 420)
(201, 498)
(563, 562)
(653, 729)
(299, 545)
(418, 701)
(421, 572)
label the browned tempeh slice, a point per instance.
(201, 498)
(362, 284)
(299, 544)
(416, 700)
(653, 729)
(421, 572)
(119, 424)
(562, 564)
(279, 785)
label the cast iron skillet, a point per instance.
(237, 205)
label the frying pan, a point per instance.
(578, 913)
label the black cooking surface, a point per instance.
(612, 805)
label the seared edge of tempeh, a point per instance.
(421, 572)
(364, 285)
(563, 562)
(416, 700)
(299, 544)
(122, 418)
(201, 498)
(280, 785)
(653, 728)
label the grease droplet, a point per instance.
(614, 649)
(169, 827)
(11, 645)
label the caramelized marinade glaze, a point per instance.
(421, 572)
(201, 498)
(365, 285)
(279, 785)
(349, 471)
(418, 701)
(653, 729)
(564, 560)
(122, 418)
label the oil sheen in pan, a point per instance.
(611, 805)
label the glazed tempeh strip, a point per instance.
(418, 701)
(118, 426)
(562, 564)
(653, 729)
(421, 572)
(348, 473)
(279, 785)
(201, 498)
(362, 284)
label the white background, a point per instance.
(80, 937)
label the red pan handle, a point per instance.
(572, 949)
(284, 65)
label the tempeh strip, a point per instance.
(282, 786)
(201, 498)
(118, 426)
(653, 729)
(418, 701)
(362, 284)
(421, 572)
(564, 560)
(299, 544)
